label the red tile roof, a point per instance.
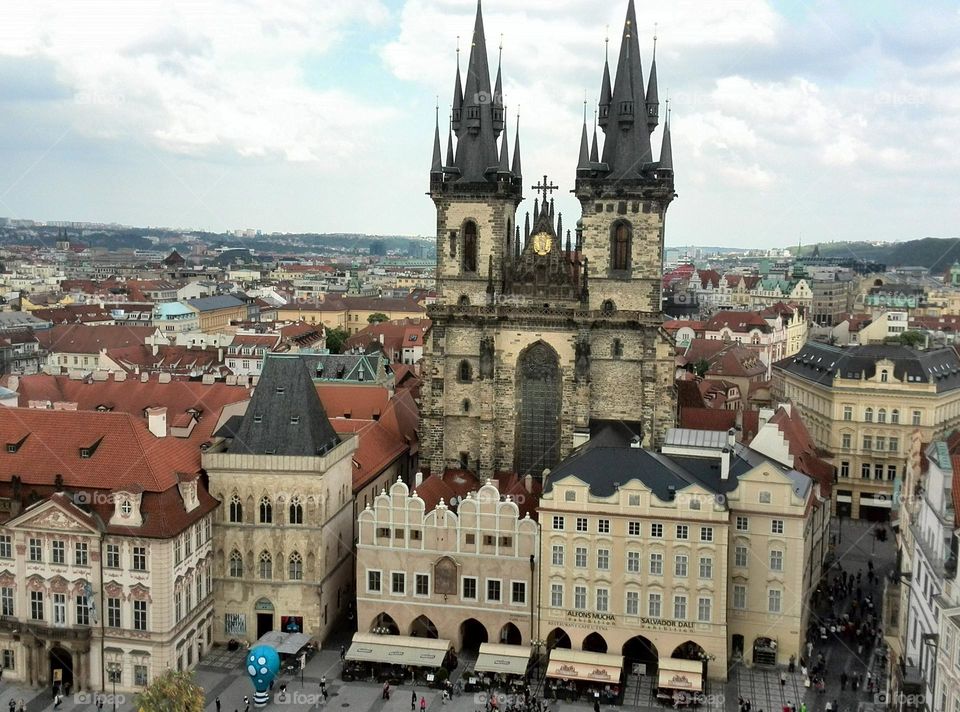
(741, 322)
(363, 402)
(83, 339)
(124, 452)
(133, 396)
(806, 456)
(453, 484)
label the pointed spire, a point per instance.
(436, 167)
(516, 170)
(516, 245)
(536, 207)
(457, 94)
(583, 163)
(569, 252)
(551, 207)
(653, 101)
(526, 223)
(666, 148)
(560, 224)
(450, 159)
(605, 92)
(477, 138)
(504, 157)
(498, 108)
(594, 150)
(627, 150)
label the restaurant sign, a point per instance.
(678, 681)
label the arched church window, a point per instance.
(620, 248)
(466, 405)
(236, 564)
(469, 246)
(465, 372)
(608, 307)
(266, 565)
(266, 510)
(236, 509)
(464, 300)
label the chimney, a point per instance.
(13, 383)
(732, 437)
(725, 464)
(156, 348)
(528, 483)
(418, 479)
(635, 442)
(144, 377)
(157, 421)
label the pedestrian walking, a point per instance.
(217, 703)
(413, 701)
(99, 703)
(343, 653)
(783, 678)
(423, 703)
(596, 706)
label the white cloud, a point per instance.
(198, 77)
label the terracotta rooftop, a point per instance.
(83, 339)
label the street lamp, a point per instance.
(114, 670)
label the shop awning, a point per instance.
(284, 643)
(509, 659)
(587, 667)
(398, 650)
(677, 674)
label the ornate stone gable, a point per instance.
(52, 518)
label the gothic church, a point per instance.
(540, 339)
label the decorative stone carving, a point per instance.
(55, 519)
(538, 362)
(445, 576)
(487, 353)
(582, 366)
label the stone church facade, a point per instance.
(540, 336)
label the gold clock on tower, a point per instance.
(542, 242)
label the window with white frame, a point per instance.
(773, 600)
(633, 562)
(36, 605)
(581, 524)
(493, 590)
(603, 559)
(580, 557)
(743, 524)
(706, 567)
(633, 603)
(739, 596)
(421, 584)
(654, 601)
(776, 560)
(579, 597)
(680, 565)
(656, 564)
(704, 604)
(556, 557)
(706, 534)
(776, 526)
(633, 528)
(556, 595)
(683, 531)
(139, 615)
(469, 585)
(6, 601)
(679, 607)
(558, 522)
(603, 526)
(603, 600)
(518, 592)
(656, 530)
(740, 556)
(398, 583)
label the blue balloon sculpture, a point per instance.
(263, 664)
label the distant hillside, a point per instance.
(934, 253)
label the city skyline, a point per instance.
(201, 118)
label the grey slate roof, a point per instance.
(604, 468)
(285, 415)
(821, 363)
(359, 367)
(224, 301)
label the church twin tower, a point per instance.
(541, 339)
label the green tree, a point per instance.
(377, 317)
(701, 367)
(913, 339)
(335, 339)
(172, 692)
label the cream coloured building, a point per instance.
(861, 404)
(107, 577)
(702, 551)
(284, 534)
(464, 575)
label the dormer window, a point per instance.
(85, 453)
(257, 418)
(126, 508)
(294, 419)
(280, 390)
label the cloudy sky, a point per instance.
(792, 119)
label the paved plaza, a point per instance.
(221, 673)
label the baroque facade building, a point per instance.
(705, 550)
(539, 337)
(106, 565)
